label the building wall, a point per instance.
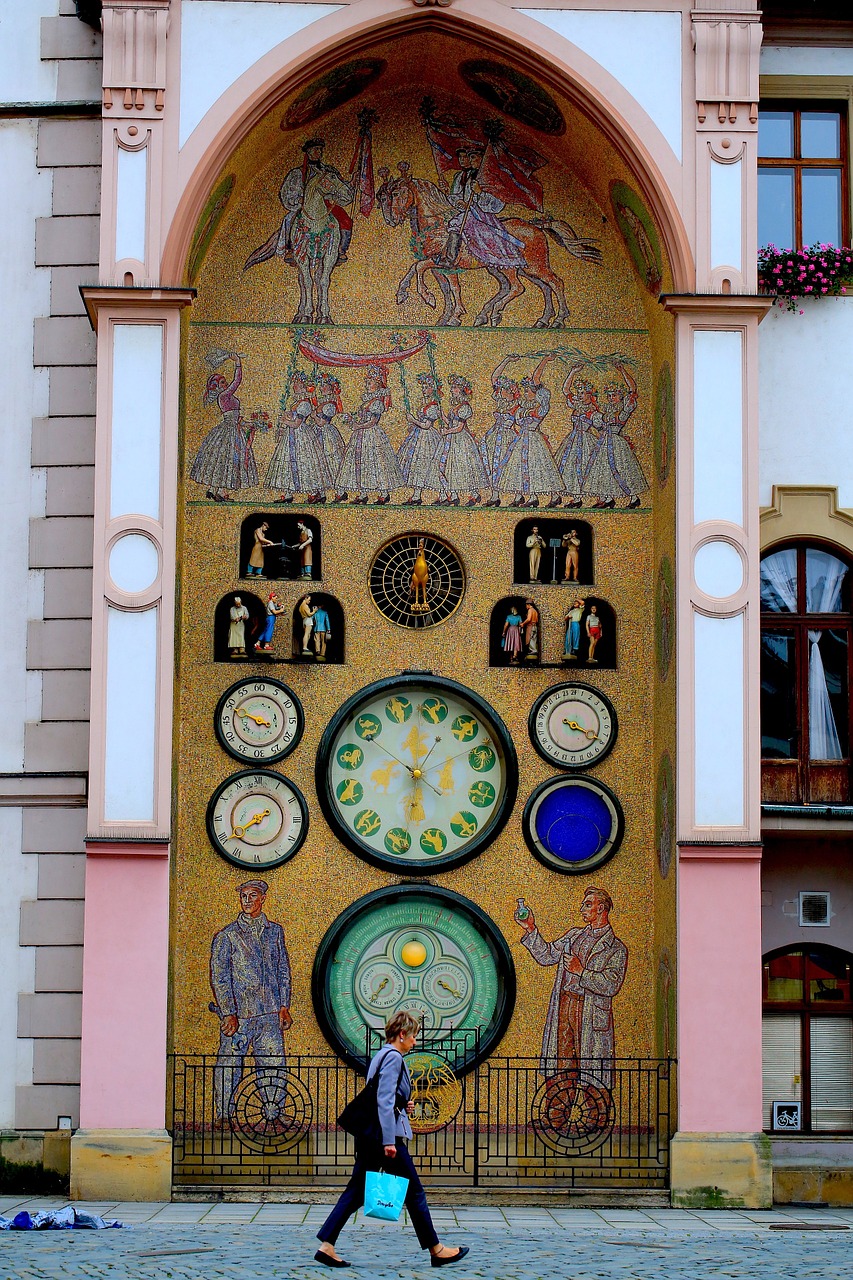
(50, 146)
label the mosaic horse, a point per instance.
(428, 212)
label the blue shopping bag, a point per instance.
(384, 1194)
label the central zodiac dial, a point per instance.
(416, 772)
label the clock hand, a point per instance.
(429, 753)
(383, 984)
(587, 733)
(247, 715)
(386, 752)
(239, 832)
(464, 752)
(452, 990)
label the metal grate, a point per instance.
(503, 1124)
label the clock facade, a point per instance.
(416, 773)
(420, 948)
(573, 726)
(259, 720)
(257, 819)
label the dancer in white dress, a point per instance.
(298, 464)
(530, 471)
(422, 441)
(458, 464)
(500, 436)
(329, 438)
(612, 469)
(573, 458)
(369, 461)
(225, 460)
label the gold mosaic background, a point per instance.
(612, 310)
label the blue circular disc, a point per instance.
(573, 824)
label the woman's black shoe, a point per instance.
(453, 1257)
(328, 1261)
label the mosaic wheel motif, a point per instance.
(271, 1111)
(573, 1113)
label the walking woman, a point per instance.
(393, 1098)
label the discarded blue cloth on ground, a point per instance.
(67, 1219)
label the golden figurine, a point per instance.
(420, 581)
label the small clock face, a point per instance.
(259, 720)
(416, 580)
(573, 726)
(573, 824)
(257, 819)
(426, 950)
(416, 773)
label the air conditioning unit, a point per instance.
(814, 909)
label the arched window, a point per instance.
(805, 675)
(808, 1036)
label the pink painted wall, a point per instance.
(719, 992)
(125, 986)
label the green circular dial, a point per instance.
(416, 772)
(426, 950)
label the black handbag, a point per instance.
(361, 1116)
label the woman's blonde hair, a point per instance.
(402, 1023)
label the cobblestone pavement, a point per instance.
(218, 1241)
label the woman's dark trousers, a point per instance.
(372, 1156)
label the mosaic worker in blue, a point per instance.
(250, 979)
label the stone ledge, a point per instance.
(721, 1171)
(121, 1165)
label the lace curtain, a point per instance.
(824, 577)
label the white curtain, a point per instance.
(824, 576)
(779, 582)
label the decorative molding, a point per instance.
(127, 846)
(441, 4)
(98, 297)
(804, 511)
(717, 307)
(43, 790)
(727, 48)
(135, 55)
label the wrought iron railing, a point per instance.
(505, 1123)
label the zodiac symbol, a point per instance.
(434, 710)
(464, 728)
(481, 758)
(352, 759)
(368, 726)
(481, 794)
(350, 792)
(381, 778)
(368, 822)
(397, 841)
(462, 826)
(435, 840)
(397, 709)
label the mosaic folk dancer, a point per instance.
(423, 440)
(225, 460)
(297, 464)
(458, 465)
(530, 471)
(500, 437)
(612, 469)
(586, 421)
(369, 461)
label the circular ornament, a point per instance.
(416, 773)
(271, 1111)
(416, 580)
(257, 819)
(573, 1113)
(259, 720)
(420, 948)
(573, 825)
(573, 726)
(436, 1093)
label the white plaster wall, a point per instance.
(23, 76)
(779, 60)
(640, 50)
(220, 39)
(806, 398)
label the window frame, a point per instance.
(798, 163)
(804, 1008)
(800, 623)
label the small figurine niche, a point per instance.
(238, 622)
(515, 633)
(278, 546)
(557, 552)
(318, 629)
(589, 633)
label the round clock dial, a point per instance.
(416, 580)
(573, 825)
(259, 720)
(573, 725)
(417, 773)
(257, 819)
(427, 950)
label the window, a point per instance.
(805, 676)
(802, 175)
(808, 1036)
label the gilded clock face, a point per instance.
(259, 720)
(573, 824)
(416, 580)
(257, 819)
(573, 725)
(416, 773)
(423, 949)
